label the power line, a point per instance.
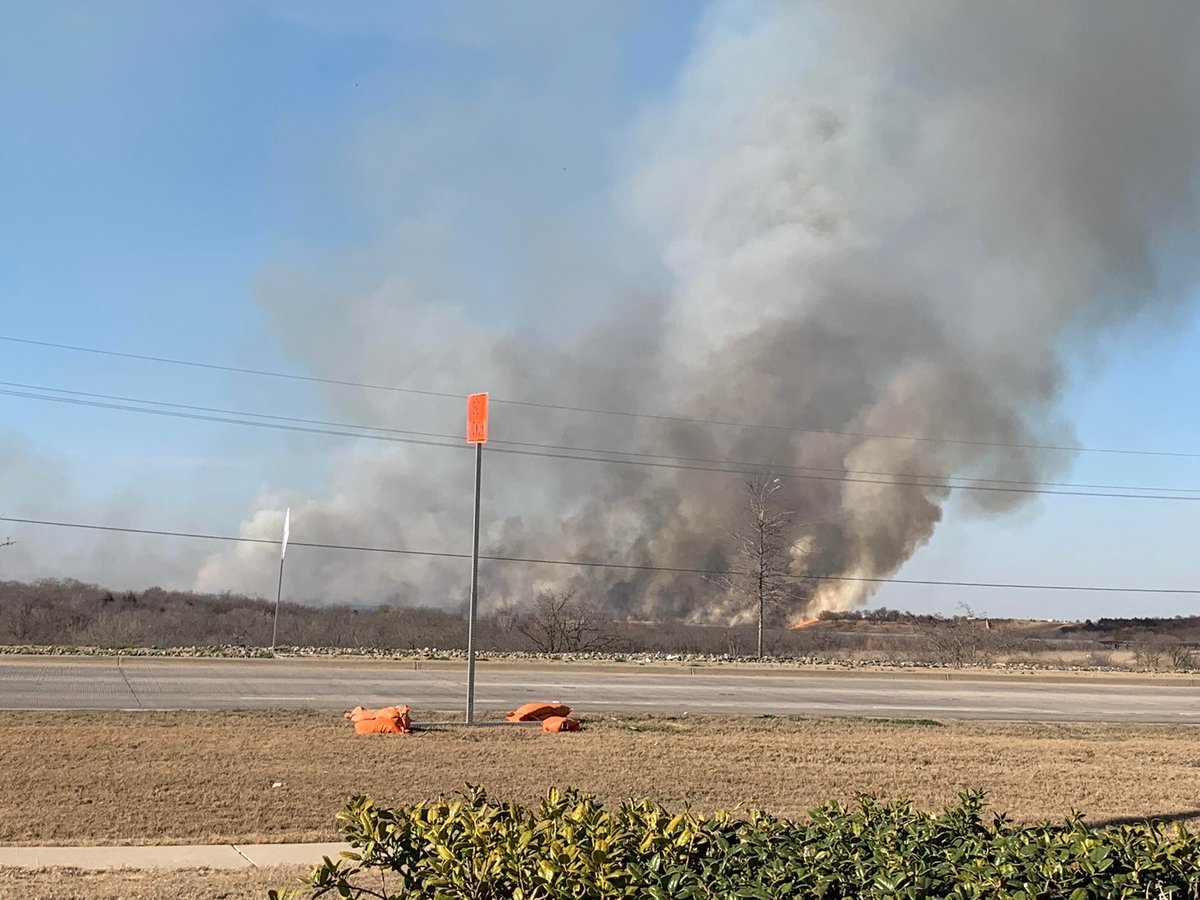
(213, 409)
(177, 411)
(737, 465)
(783, 469)
(852, 480)
(593, 564)
(335, 432)
(561, 407)
(177, 414)
(229, 538)
(238, 370)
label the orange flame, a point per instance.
(804, 623)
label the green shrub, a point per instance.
(573, 848)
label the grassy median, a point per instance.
(207, 777)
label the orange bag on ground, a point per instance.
(388, 720)
(559, 723)
(359, 714)
(538, 712)
(399, 725)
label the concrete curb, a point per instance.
(181, 856)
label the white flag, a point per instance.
(287, 528)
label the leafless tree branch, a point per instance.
(762, 580)
(558, 622)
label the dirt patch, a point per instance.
(207, 777)
(184, 884)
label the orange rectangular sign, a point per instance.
(477, 418)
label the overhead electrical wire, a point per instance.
(738, 465)
(238, 370)
(595, 564)
(22, 387)
(288, 423)
(561, 407)
(224, 420)
(852, 480)
(785, 468)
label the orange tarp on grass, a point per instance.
(388, 720)
(358, 714)
(538, 712)
(559, 723)
(383, 726)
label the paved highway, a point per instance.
(148, 683)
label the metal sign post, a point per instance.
(477, 422)
(287, 527)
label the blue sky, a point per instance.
(167, 155)
(162, 160)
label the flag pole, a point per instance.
(287, 522)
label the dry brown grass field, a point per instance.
(101, 778)
(187, 884)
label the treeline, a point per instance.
(67, 612)
(880, 614)
(74, 613)
(1186, 627)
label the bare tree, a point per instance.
(1183, 656)
(761, 578)
(968, 639)
(1148, 654)
(557, 622)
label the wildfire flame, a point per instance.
(804, 623)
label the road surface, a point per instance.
(158, 683)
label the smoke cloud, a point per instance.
(874, 219)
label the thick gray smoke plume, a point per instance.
(877, 219)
